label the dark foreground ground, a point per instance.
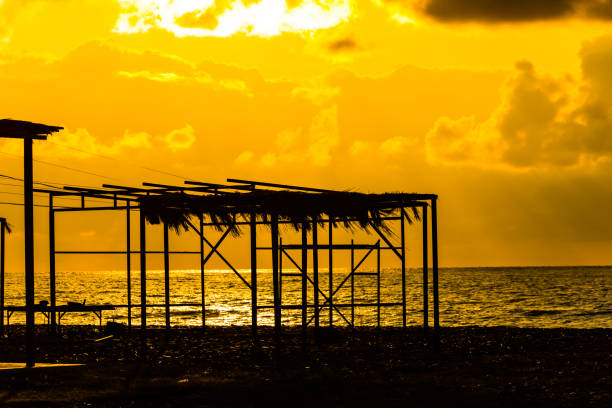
(476, 366)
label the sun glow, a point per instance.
(223, 18)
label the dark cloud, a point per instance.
(496, 10)
(343, 44)
(499, 11)
(601, 9)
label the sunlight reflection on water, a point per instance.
(525, 297)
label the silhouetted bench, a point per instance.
(61, 311)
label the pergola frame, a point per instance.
(122, 198)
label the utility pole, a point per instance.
(28, 131)
(3, 229)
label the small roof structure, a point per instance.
(20, 129)
(223, 203)
(348, 209)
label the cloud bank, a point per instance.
(541, 121)
(498, 11)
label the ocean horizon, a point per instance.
(533, 296)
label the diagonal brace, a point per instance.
(214, 249)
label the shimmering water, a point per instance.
(576, 297)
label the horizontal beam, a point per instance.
(326, 246)
(319, 220)
(284, 186)
(123, 252)
(78, 209)
(334, 246)
(214, 186)
(341, 305)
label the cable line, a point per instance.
(122, 161)
(63, 167)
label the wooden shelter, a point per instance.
(28, 132)
(243, 205)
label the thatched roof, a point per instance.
(347, 209)
(21, 128)
(4, 222)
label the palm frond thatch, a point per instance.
(346, 209)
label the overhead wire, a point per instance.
(71, 198)
(22, 204)
(121, 161)
(63, 167)
(47, 184)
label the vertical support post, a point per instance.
(166, 275)
(403, 253)
(143, 271)
(128, 259)
(425, 273)
(378, 283)
(2, 257)
(202, 283)
(280, 270)
(254, 274)
(352, 283)
(28, 198)
(304, 276)
(331, 272)
(277, 309)
(315, 269)
(52, 293)
(434, 254)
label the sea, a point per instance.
(544, 297)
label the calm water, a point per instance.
(576, 297)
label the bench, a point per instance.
(61, 310)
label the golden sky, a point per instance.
(502, 108)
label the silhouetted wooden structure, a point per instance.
(240, 204)
(28, 131)
(4, 229)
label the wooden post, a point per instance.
(2, 257)
(315, 269)
(280, 269)
(52, 285)
(425, 274)
(128, 259)
(254, 273)
(28, 182)
(378, 283)
(143, 271)
(331, 272)
(403, 253)
(352, 284)
(304, 276)
(434, 254)
(166, 275)
(28, 132)
(202, 282)
(277, 309)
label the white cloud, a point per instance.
(180, 139)
(244, 158)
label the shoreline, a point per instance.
(476, 366)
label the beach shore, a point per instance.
(475, 366)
